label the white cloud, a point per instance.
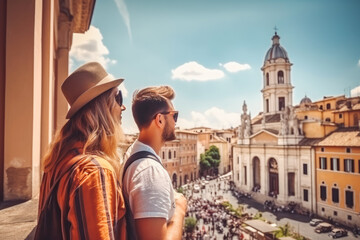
(89, 47)
(193, 71)
(359, 63)
(124, 14)
(235, 67)
(214, 118)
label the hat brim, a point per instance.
(102, 86)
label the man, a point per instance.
(157, 211)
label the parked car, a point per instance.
(323, 227)
(338, 232)
(315, 222)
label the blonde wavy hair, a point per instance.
(96, 127)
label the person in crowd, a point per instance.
(82, 165)
(156, 211)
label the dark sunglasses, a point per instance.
(119, 98)
(175, 114)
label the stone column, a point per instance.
(22, 99)
(62, 67)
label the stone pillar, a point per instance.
(62, 68)
(47, 115)
(22, 99)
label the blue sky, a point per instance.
(211, 51)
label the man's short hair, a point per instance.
(150, 101)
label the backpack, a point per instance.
(49, 222)
(130, 222)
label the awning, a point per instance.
(261, 226)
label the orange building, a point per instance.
(337, 161)
(180, 157)
(35, 40)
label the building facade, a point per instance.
(272, 156)
(180, 157)
(34, 60)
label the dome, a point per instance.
(305, 100)
(276, 51)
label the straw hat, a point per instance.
(86, 83)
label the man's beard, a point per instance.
(168, 134)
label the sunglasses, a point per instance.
(175, 114)
(119, 98)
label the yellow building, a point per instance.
(337, 160)
(35, 40)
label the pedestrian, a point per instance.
(80, 191)
(156, 211)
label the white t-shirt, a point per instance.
(147, 186)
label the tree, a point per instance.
(190, 224)
(283, 231)
(210, 161)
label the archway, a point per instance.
(273, 178)
(186, 178)
(256, 174)
(174, 180)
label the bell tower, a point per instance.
(277, 88)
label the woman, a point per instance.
(84, 157)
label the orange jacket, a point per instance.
(90, 199)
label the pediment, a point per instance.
(264, 137)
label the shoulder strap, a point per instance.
(137, 156)
(74, 163)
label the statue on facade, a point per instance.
(248, 126)
(243, 121)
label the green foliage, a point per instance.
(190, 224)
(210, 161)
(259, 216)
(180, 190)
(283, 231)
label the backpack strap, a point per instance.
(73, 163)
(139, 155)
(130, 221)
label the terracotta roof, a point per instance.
(309, 141)
(270, 118)
(342, 137)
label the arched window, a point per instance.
(306, 117)
(328, 106)
(280, 77)
(267, 79)
(321, 107)
(169, 154)
(174, 154)
(327, 120)
(163, 153)
(267, 105)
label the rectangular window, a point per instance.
(335, 164)
(245, 176)
(322, 163)
(238, 177)
(349, 217)
(349, 199)
(335, 195)
(305, 170)
(291, 184)
(335, 213)
(322, 149)
(306, 195)
(323, 193)
(348, 150)
(348, 165)
(281, 103)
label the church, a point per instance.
(272, 156)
